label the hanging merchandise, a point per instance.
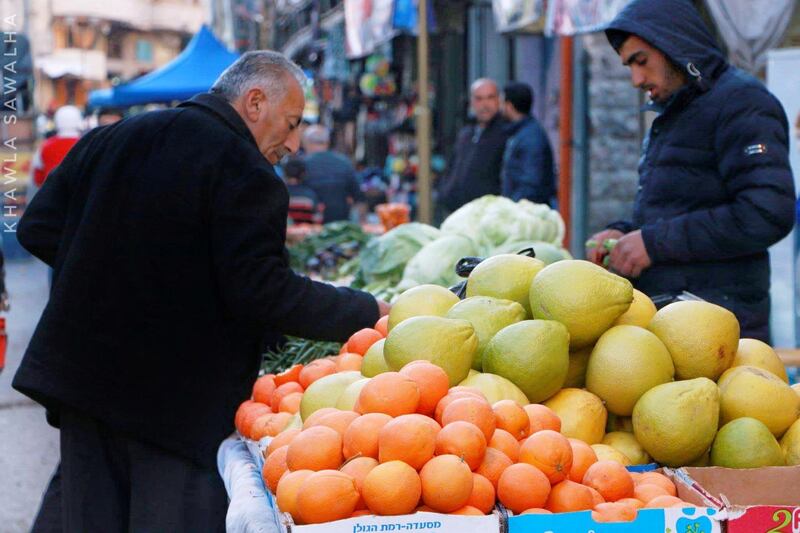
(334, 64)
(568, 17)
(368, 24)
(377, 79)
(311, 109)
(406, 13)
(750, 28)
(525, 16)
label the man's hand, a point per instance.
(383, 307)
(597, 253)
(629, 257)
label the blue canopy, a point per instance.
(193, 71)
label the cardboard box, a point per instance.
(428, 522)
(754, 500)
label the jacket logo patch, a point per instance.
(754, 149)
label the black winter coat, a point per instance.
(166, 234)
(715, 185)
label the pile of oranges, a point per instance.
(412, 443)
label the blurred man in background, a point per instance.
(528, 160)
(304, 204)
(69, 125)
(331, 175)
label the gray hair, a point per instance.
(483, 81)
(265, 69)
(317, 134)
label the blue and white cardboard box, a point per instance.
(672, 520)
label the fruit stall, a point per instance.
(539, 394)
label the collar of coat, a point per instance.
(220, 107)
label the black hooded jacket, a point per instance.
(715, 185)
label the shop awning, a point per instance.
(193, 71)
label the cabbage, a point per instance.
(436, 262)
(492, 221)
(547, 252)
(384, 258)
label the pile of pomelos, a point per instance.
(413, 443)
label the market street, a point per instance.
(28, 446)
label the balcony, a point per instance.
(185, 16)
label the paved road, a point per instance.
(28, 446)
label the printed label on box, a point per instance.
(688, 520)
(432, 522)
(767, 519)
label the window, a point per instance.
(144, 50)
(115, 46)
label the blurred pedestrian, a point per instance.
(715, 185)
(68, 125)
(474, 168)
(304, 204)
(331, 175)
(528, 159)
(109, 115)
(167, 236)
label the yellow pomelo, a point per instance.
(347, 401)
(756, 393)
(296, 422)
(790, 444)
(495, 388)
(446, 342)
(676, 422)
(753, 352)
(532, 354)
(796, 388)
(640, 312)
(627, 444)
(605, 452)
(488, 316)
(374, 362)
(576, 374)
(626, 362)
(746, 443)
(701, 338)
(581, 295)
(505, 276)
(703, 460)
(619, 423)
(325, 392)
(582, 414)
(425, 300)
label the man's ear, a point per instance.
(254, 102)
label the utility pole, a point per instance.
(424, 200)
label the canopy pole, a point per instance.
(423, 129)
(565, 137)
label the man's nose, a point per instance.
(293, 141)
(637, 79)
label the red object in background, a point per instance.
(779, 519)
(53, 151)
(3, 342)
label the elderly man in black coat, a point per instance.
(715, 185)
(166, 235)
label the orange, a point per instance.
(382, 325)
(512, 417)
(391, 393)
(483, 494)
(243, 408)
(647, 491)
(610, 479)
(286, 494)
(316, 415)
(468, 510)
(288, 375)
(290, 403)
(361, 436)
(432, 381)
(258, 428)
(548, 451)
(472, 410)
(315, 370)
(316, 448)
(435, 427)
(362, 512)
(349, 361)
(655, 478)
(465, 388)
(522, 486)
(344, 349)
(284, 390)
(596, 496)
(660, 502)
(282, 439)
(446, 483)
(568, 496)
(392, 488)
(503, 441)
(450, 398)
(269, 425)
(249, 415)
(274, 467)
(358, 469)
(542, 417)
(614, 512)
(638, 504)
(583, 457)
(493, 465)
(339, 421)
(361, 340)
(407, 438)
(536, 510)
(464, 440)
(326, 496)
(262, 389)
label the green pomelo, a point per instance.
(578, 361)
(627, 444)
(495, 388)
(347, 401)
(374, 362)
(425, 300)
(505, 276)
(790, 444)
(746, 443)
(325, 392)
